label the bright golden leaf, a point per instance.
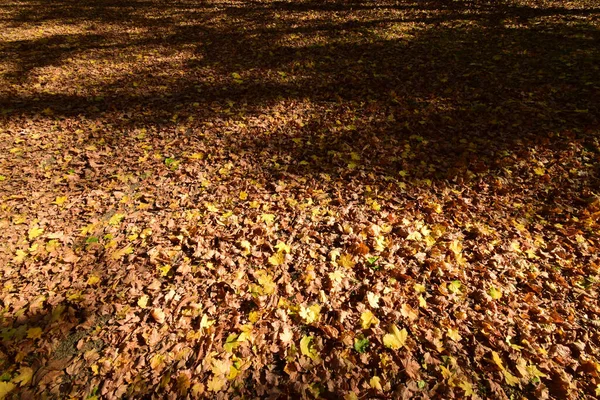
(346, 261)
(34, 232)
(396, 339)
(367, 319)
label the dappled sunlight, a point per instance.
(285, 199)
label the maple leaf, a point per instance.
(454, 335)
(361, 344)
(277, 259)
(216, 384)
(60, 200)
(346, 261)
(231, 343)
(6, 388)
(367, 318)
(34, 232)
(92, 280)
(34, 333)
(116, 219)
(24, 377)
(373, 299)
(495, 293)
(375, 383)
(268, 218)
(282, 247)
(310, 314)
(20, 256)
(396, 339)
(455, 287)
(286, 336)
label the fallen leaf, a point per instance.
(158, 315)
(396, 339)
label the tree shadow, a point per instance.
(449, 76)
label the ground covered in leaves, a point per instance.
(285, 199)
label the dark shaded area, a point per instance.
(465, 74)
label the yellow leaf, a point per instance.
(244, 244)
(416, 236)
(268, 218)
(346, 261)
(495, 293)
(235, 75)
(157, 361)
(456, 247)
(211, 207)
(308, 349)
(454, 335)
(231, 343)
(497, 360)
(510, 378)
(216, 384)
(467, 387)
(266, 281)
(93, 279)
(60, 200)
(205, 322)
(24, 377)
(20, 256)
(34, 232)
(197, 156)
(446, 373)
(243, 195)
(310, 314)
(143, 301)
(539, 171)
(375, 205)
(367, 319)
(34, 333)
(116, 219)
(282, 247)
(277, 259)
(122, 252)
(396, 339)
(375, 383)
(5, 388)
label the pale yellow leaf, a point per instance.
(143, 301)
(396, 339)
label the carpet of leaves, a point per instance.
(299, 198)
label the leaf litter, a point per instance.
(288, 199)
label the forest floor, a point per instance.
(285, 199)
